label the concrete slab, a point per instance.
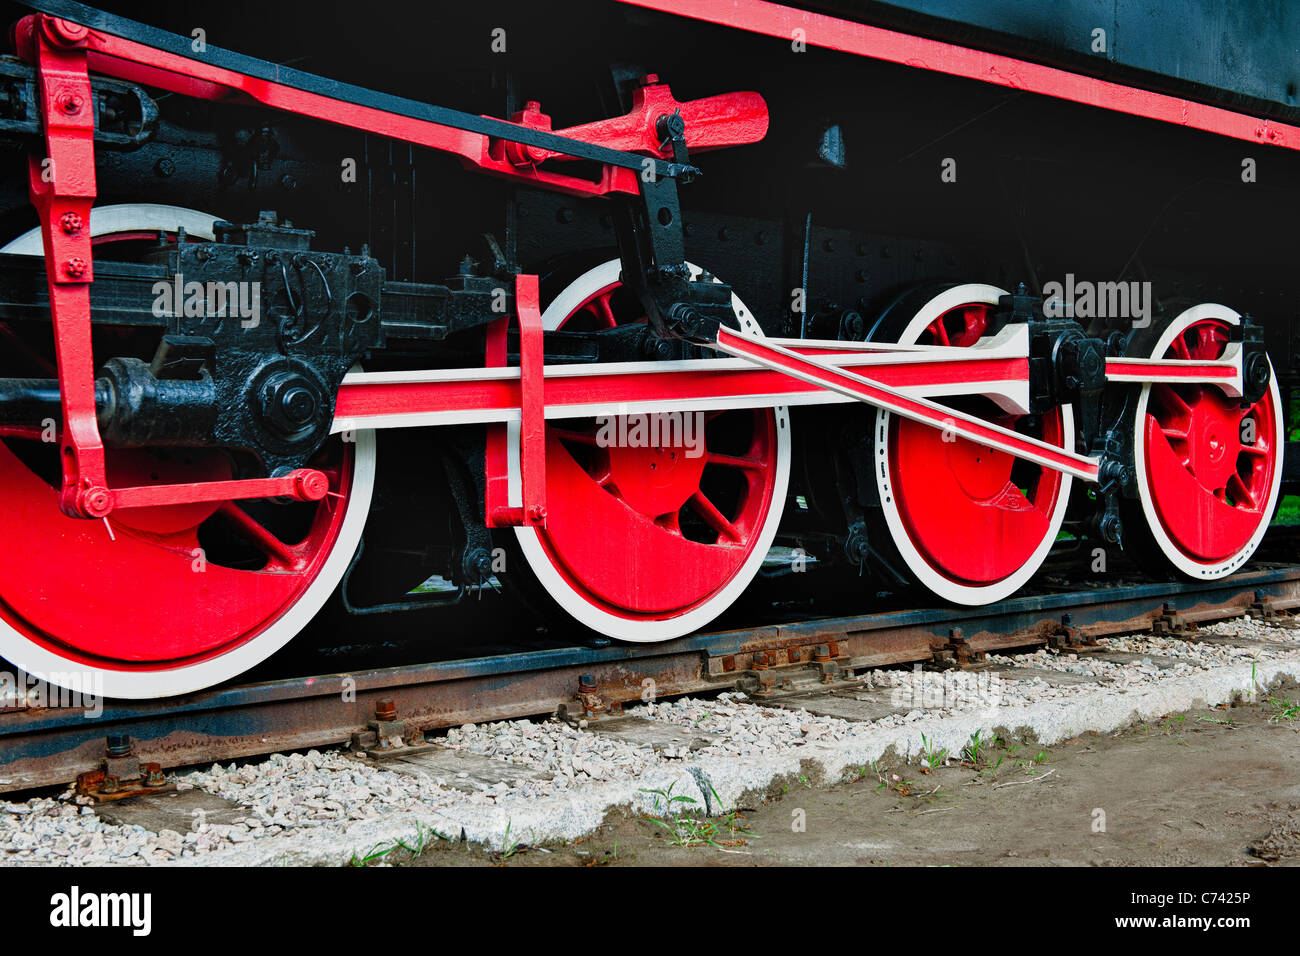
(460, 770)
(652, 733)
(1050, 677)
(856, 705)
(1230, 640)
(179, 810)
(1130, 657)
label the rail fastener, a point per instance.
(121, 774)
(386, 736)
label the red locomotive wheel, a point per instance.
(155, 602)
(971, 523)
(1209, 471)
(656, 520)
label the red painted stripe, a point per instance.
(1155, 373)
(846, 36)
(364, 400)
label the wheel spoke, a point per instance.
(578, 438)
(713, 517)
(605, 311)
(1174, 401)
(976, 323)
(29, 432)
(1241, 493)
(670, 522)
(258, 536)
(1013, 498)
(736, 461)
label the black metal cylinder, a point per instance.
(29, 401)
(138, 409)
(133, 407)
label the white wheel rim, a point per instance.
(925, 573)
(126, 217)
(576, 604)
(1180, 560)
(40, 662)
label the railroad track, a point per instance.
(383, 709)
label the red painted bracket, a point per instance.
(62, 188)
(304, 484)
(715, 122)
(532, 423)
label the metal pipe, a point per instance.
(31, 401)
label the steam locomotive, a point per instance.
(600, 309)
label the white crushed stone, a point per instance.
(322, 807)
(572, 755)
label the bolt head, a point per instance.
(312, 485)
(63, 32)
(70, 223)
(96, 502)
(288, 404)
(299, 405)
(75, 267)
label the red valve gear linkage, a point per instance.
(62, 188)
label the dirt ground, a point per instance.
(1212, 787)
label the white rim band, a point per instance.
(1183, 562)
(38, 660)
(576, 604)
(924, 572)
